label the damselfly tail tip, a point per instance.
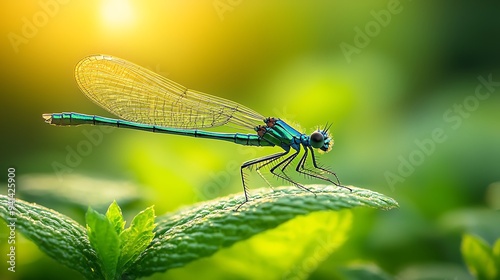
(47, 118)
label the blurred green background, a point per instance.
(387, 74)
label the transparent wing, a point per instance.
(137, 94)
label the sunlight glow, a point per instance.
(117, 12)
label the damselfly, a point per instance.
(147, 101)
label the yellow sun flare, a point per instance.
(117, 12)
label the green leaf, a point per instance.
(364, 271)
(104, 239)
(433, 271)
(56, 235)
(293, 250)
(496, 254)
(136, 238)
(201, 230)
(74, 190)
(496, 248)
(115, 217)
(479, 257)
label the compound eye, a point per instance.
(317, 139)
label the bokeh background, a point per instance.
(387, 74)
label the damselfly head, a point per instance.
(320, 139)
